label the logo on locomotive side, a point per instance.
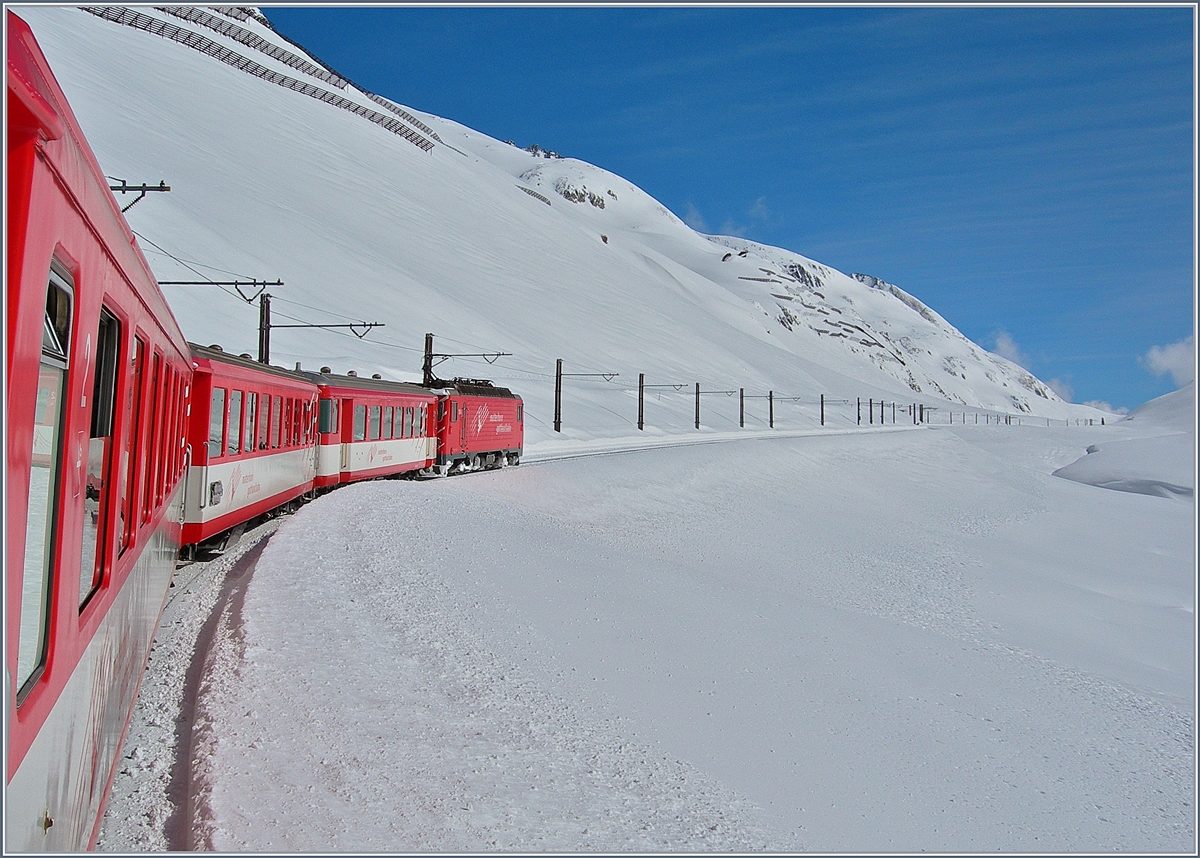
(481, 416)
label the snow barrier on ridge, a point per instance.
(250, 40)
(403, 114)
(137, 20)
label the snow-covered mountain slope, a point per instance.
(374, 212)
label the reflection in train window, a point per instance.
(40, 523)
(251, 414)
(216, 422)
(99, 456)
(233, 434)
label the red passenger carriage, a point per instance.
(97, 380)
(253, 438)
(371, 428)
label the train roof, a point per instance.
(355, 382)
(218, 354)
(476, 387)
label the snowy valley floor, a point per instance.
(887, 641)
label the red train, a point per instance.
(98, 379)
(263, 438)
(125, 442)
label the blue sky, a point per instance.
(1027, 172)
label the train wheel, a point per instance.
(514, 458)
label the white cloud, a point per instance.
(1100, 405)
(1177, 359)
(1064, 390)
(731, 228)
(694, 219)
(759, 209)
(1008, 349)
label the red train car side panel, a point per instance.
(97, 379)
(253, 438)
(373, 428)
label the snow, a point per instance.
(899, 640)
(1162, 464)
(834, 638)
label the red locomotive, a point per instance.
(479, 426)
(98, 378)
(125, 442)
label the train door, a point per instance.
(462, 426)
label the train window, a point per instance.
(360, 422)
(441, 410)
(168, 447)
(169, 426)
(276, 418)
(159, 398)
(373, 424)
(99, 456)
(264, 420)
(520, 413)
(216, 423)
(408, 422)
(234, 426)
(130, 448)
(151, 423)
(294, 410)
(251, 415)
(389, 426)
(327, 415)
(41, 519)
(454, 413)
